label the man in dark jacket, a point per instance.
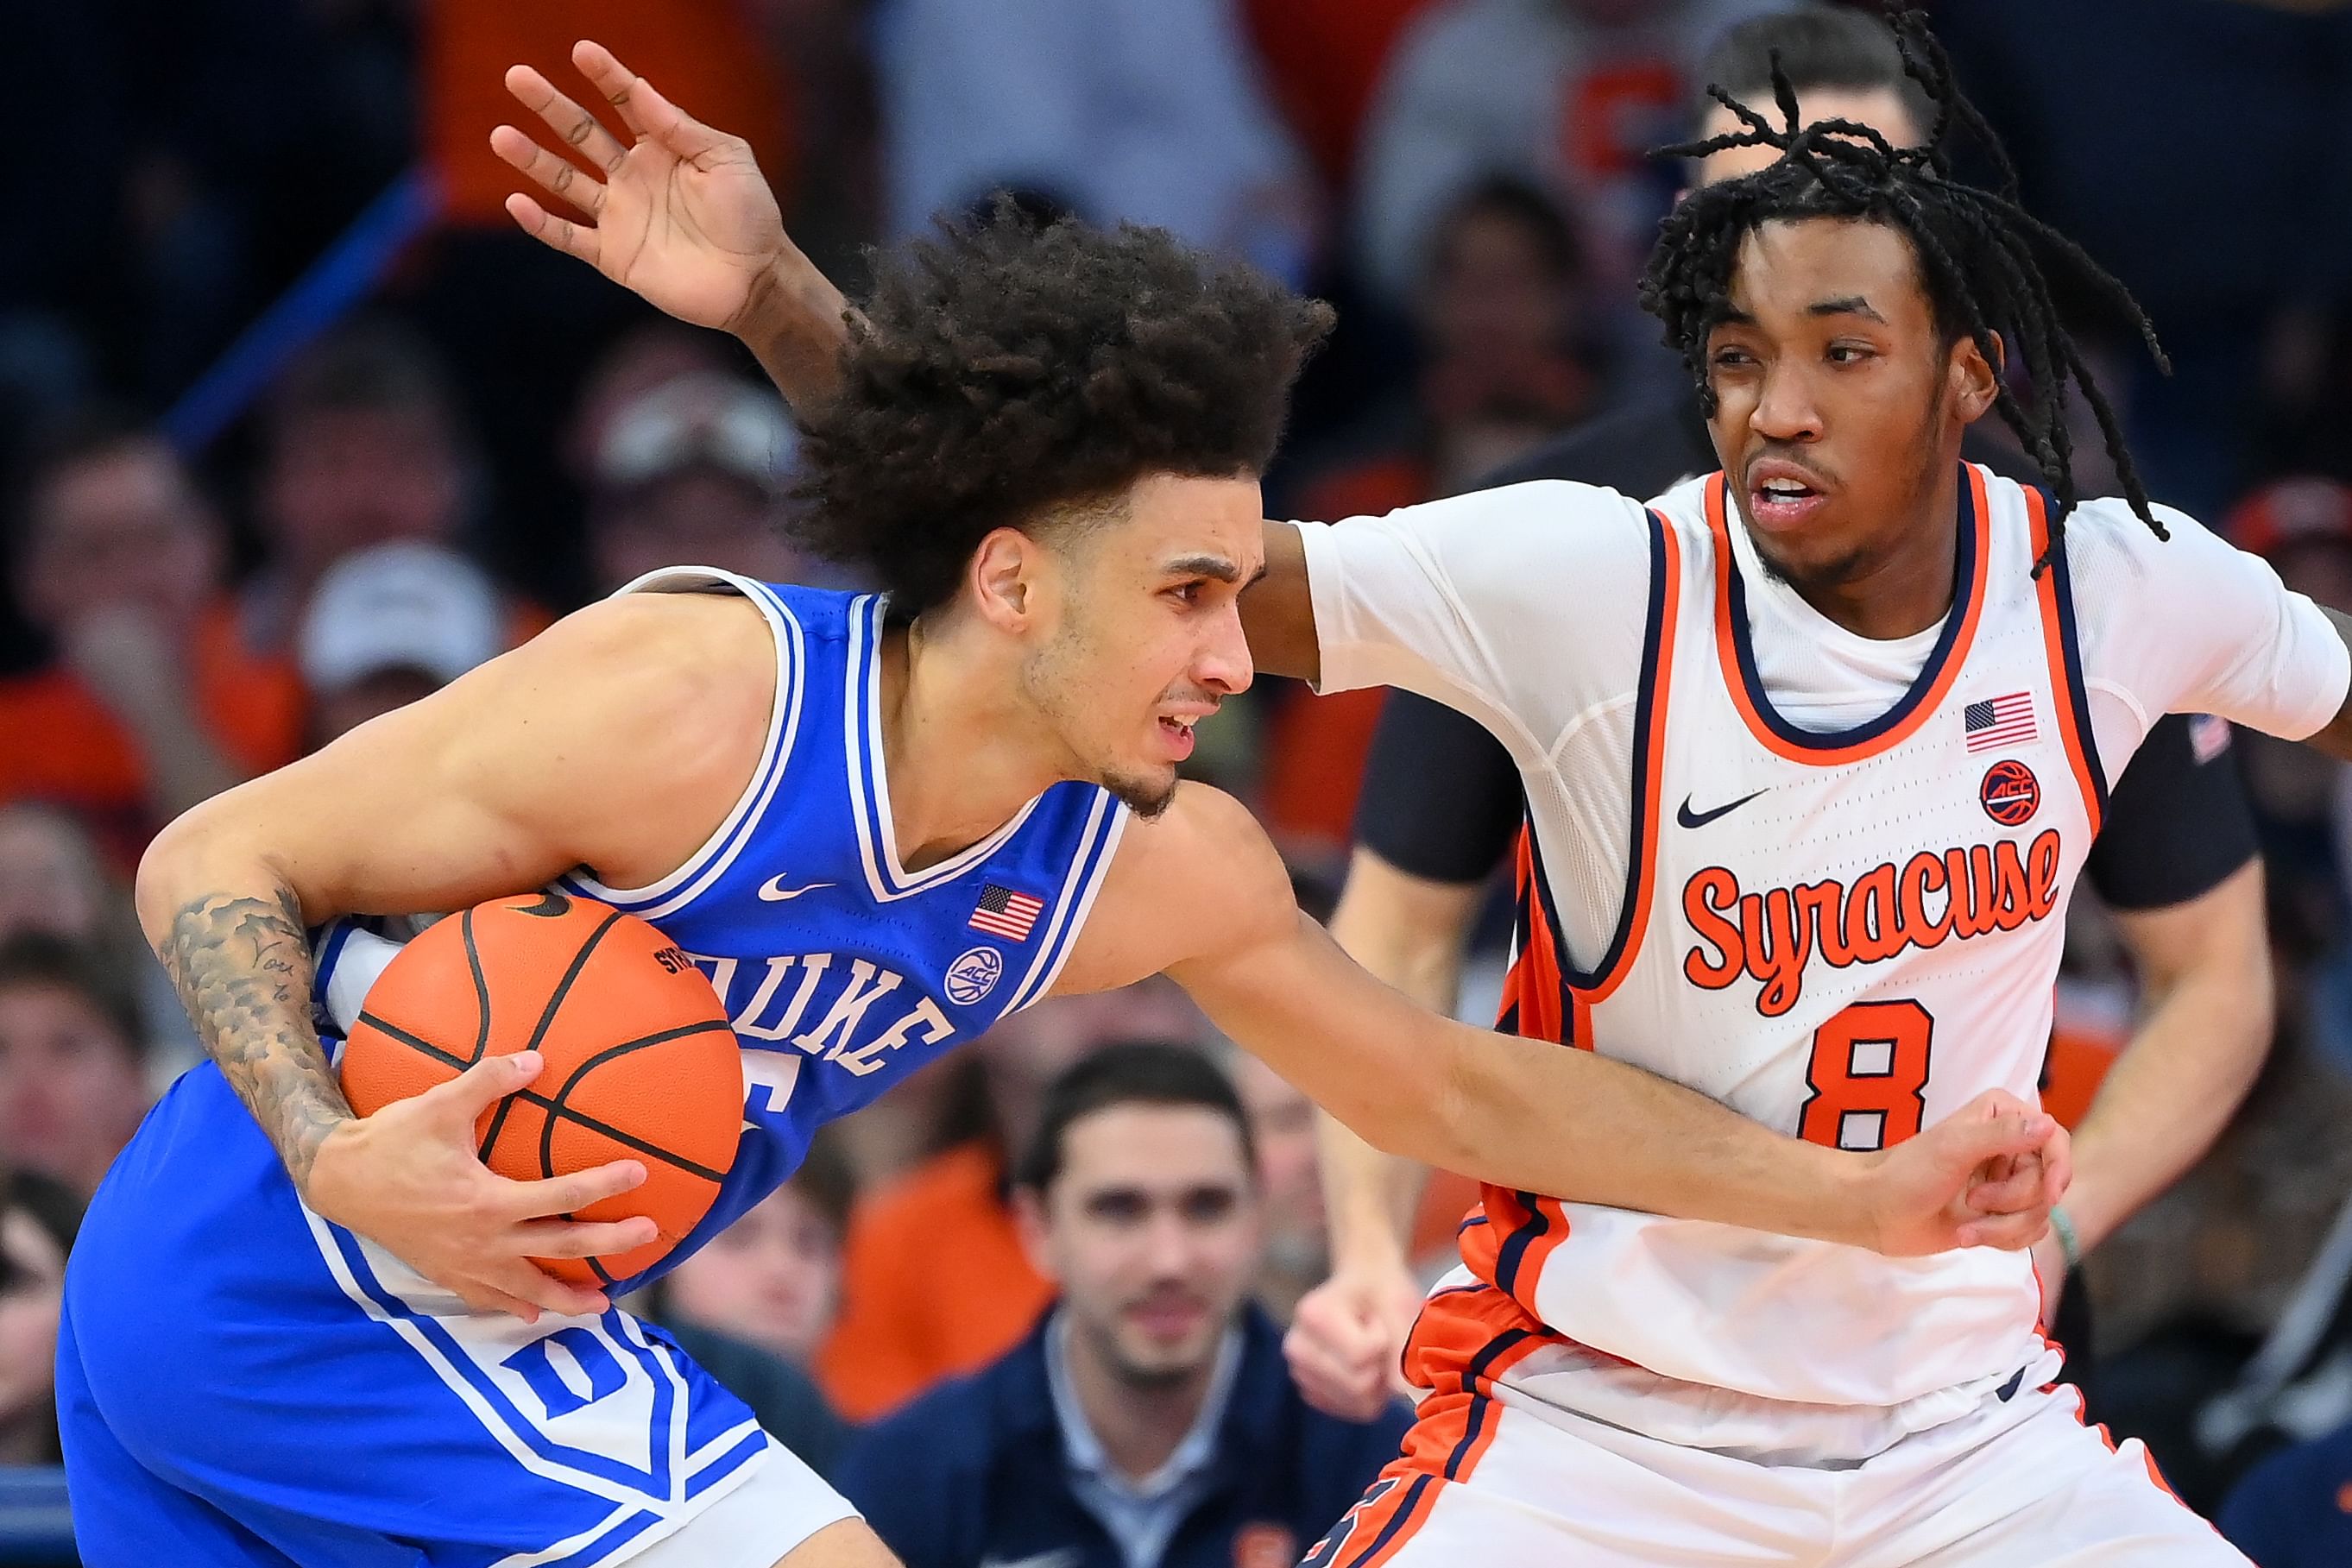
(1147, 1421)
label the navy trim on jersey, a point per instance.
(1480, 1402)
(1972, 532)
(707, 865)
(1405, 1510)
(869, 785)
(1515, 1246)
(2062, 583)
(1641, 849)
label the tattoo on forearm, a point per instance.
(242, 968)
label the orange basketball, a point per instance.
(639, 1060)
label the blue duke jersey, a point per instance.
(842, 971)
(241, 1382)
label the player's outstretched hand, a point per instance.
(683, 215)
(1345, 1338)
(1984, 1176)
(408, 1178)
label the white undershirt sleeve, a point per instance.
(2193, 624)
(1517, 606)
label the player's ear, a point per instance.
(1974, 380)
(1003, 579)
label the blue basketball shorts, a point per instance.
(240, 1383)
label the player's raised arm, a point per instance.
(538, 762)
(1204, 882)
(682, 216)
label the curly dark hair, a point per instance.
(1981, 254)
(1006, 370)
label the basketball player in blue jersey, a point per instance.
(881, 823)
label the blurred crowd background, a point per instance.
(297, 427)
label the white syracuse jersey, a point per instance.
(1843, 933)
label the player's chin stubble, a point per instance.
(1146, 798)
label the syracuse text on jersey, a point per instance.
(1772, 935)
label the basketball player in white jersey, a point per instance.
(1813, 749)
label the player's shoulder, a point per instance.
(683, 674)
(1206, 844)
(1536, 522)
(2100, 530)
(1201, 876)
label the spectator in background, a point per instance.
(2107, 107)
(1294, 1259)
(950, 1217)
(73, 1085)
(2294, 1509)
(691, 473)
(1323, 59)
(391, 624)
(2303, 527)
(773, 1276)
(148, 704)
(38, 1220)
(1504, 365)
(1148, 111)
(364, 445)
(1571, 94)
(647, 356)
(1147, 1421)
(52, 880)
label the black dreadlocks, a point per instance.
(1980, 251)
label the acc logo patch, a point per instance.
(974, 975)
(2009, 794)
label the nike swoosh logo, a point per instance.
(774, 891)
(1690, 819)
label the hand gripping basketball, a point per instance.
(548, 1087)
(408, 1179)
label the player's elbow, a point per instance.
(206, 849)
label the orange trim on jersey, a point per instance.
(2108, 1438)
(1464, 1340)
(1534, 990)
(1955, 657)
(1379, 1527)
(2054, 647)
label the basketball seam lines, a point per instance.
(452, 1059)
(546, 1022)
(482, 1039)
(547, 1127)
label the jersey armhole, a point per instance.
(703, 867)
(1089, 867)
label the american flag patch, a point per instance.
(2002, 721)
(1004, 912)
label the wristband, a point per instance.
(2070, 1243)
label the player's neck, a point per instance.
(960, 753)
(1906, 585)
